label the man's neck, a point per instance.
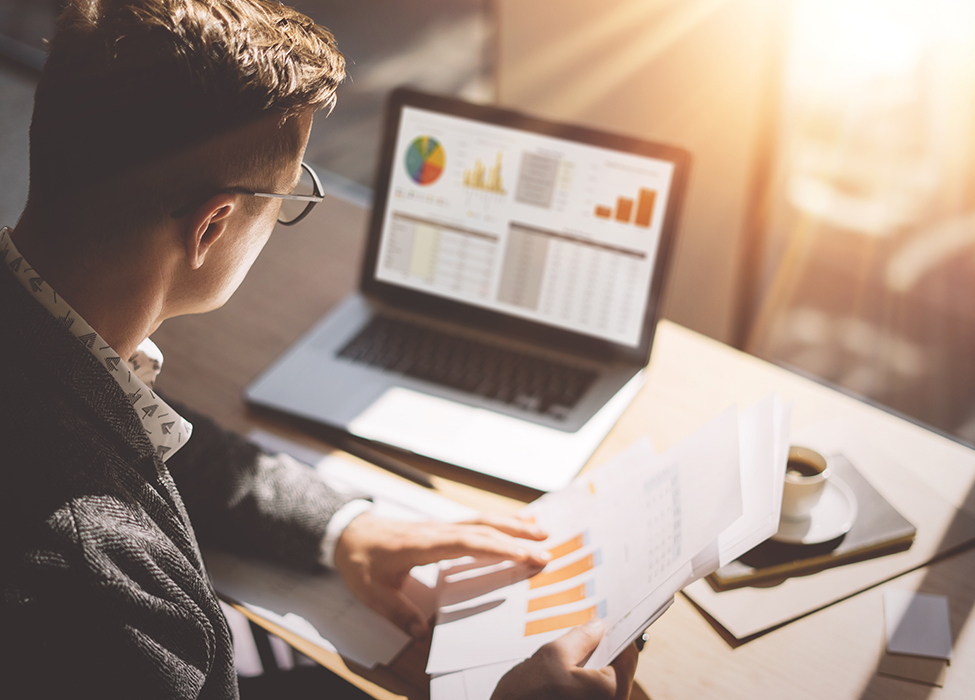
(120, 296)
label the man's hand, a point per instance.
(375, 555)
(553, 673)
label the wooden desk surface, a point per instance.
(831, 654)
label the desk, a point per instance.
(830, 654)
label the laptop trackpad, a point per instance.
(485, 441)
(460, 434)
(402, 416)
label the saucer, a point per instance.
(830, 518)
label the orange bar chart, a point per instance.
(580, 566)
(644, 208)
(560, 622)
(570, 546)
(566, 620)
(572, 595)
(623, 211)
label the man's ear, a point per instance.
(205, 227)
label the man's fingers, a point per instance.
(474, 540)
(516, 527)
(614, 681)
(624, 667)
(577, 644)
(400, 610)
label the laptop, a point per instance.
(509, 293)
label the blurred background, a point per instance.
(830, 223)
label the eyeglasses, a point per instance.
(295, 205)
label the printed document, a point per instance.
(624, 539)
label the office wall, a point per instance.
(694, 73)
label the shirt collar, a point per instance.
(167, 430)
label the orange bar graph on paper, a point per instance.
(644, 208)
(603, 212)
(570, 546)
(560, 622)
(580, 566)
(573, 595)
(624, 208)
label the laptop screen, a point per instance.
(554, 231)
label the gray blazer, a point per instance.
(104, 591)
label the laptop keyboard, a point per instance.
(529, 382)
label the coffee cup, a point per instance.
(806, 474)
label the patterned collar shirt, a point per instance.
(167, 430)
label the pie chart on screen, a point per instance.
(425, 160)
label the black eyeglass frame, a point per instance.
(312, 199)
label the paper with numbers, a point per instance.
(623, 539)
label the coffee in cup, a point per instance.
(806, 474)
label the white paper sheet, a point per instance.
(636, 531)
(478, 683)
(763, 439)
(449, 686)
(470, 684)
(620, 535)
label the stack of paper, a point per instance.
(624, 539)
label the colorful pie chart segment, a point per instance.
(425, 159)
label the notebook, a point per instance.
(509, 293)
(879, 529)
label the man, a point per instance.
(164, 134)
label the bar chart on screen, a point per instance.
(624, 211)
(481, 178)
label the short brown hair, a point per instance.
(129, 82)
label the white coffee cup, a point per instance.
(806, 474)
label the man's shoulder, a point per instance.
(99, 579)
(53, 532)
(70, 489)
(101, 552)
(111, 536)
(51, 441)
